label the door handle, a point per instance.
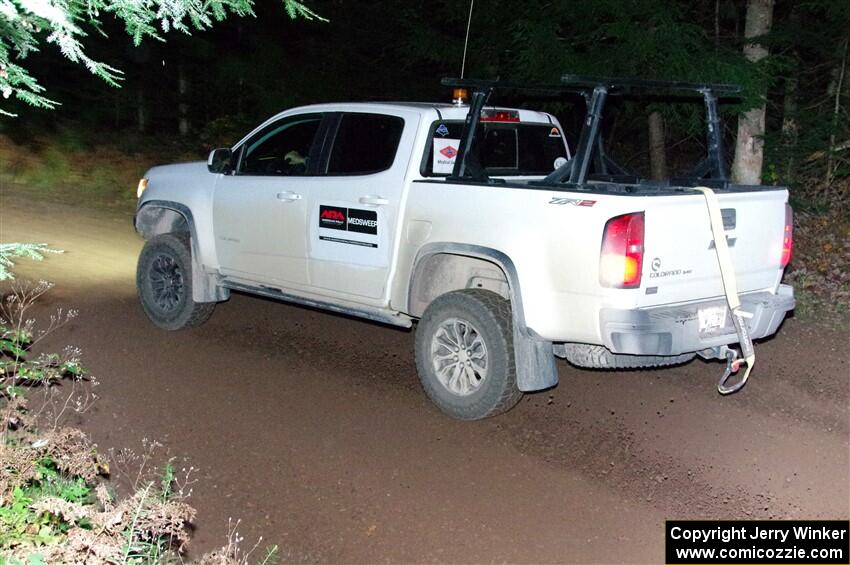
(288, 196)
(374, 200)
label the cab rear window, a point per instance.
(503, 149)
(365, 144)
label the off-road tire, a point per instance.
(599, 357)
(490, 315)
(172, 250)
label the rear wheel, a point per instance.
(164, 283)
(465, 354)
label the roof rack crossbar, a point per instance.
(479, 84)
(649, 86)
(614, 86)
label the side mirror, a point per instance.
(220, 161)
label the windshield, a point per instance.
(503, 149)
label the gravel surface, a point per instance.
(311, 427)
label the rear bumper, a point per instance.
(672, 330)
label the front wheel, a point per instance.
(465, 354)
(164, 282)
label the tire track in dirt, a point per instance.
(313, 429)
(610, 453)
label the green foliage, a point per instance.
(54, 169)
(22, 521)
(271, 556)
(808, 136)
(54, 504)
(34, 251)
(18, 371)
(25, 23)
(20, 524)
(47, 478)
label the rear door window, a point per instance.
(365, 144)
(503, 149)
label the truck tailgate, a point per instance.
(680, 262)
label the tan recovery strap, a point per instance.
(730, 287)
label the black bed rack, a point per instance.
(595, 91)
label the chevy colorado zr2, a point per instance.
(479, 225)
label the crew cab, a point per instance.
(478, 225)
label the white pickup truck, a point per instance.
(477, 224)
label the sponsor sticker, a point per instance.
(445, 152)
(554, 132)
(348, 219)
(442, 130)
(363, 221)
(333, 217)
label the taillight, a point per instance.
(621, 259)
(499, 116)
(787, 237)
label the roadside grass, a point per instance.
(52, 169)
(102, 171)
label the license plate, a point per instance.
(712, 319)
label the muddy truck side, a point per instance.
(477, 224)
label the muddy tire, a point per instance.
(599, 357)
(465, 354)
(164, 283)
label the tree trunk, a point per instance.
(141, 112)
(183, 104)
(716, 24)
(837, 86)
(790, 108)
(657, 149)
(790, 125)
(749, 145)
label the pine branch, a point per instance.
(61, 22)
(34, 251)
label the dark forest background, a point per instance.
(181, 97)
(190, 93)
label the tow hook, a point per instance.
(733, 365)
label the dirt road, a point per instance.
(312, 430)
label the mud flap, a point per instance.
(535, 362)
(205, 286)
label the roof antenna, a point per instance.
(466, 40)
